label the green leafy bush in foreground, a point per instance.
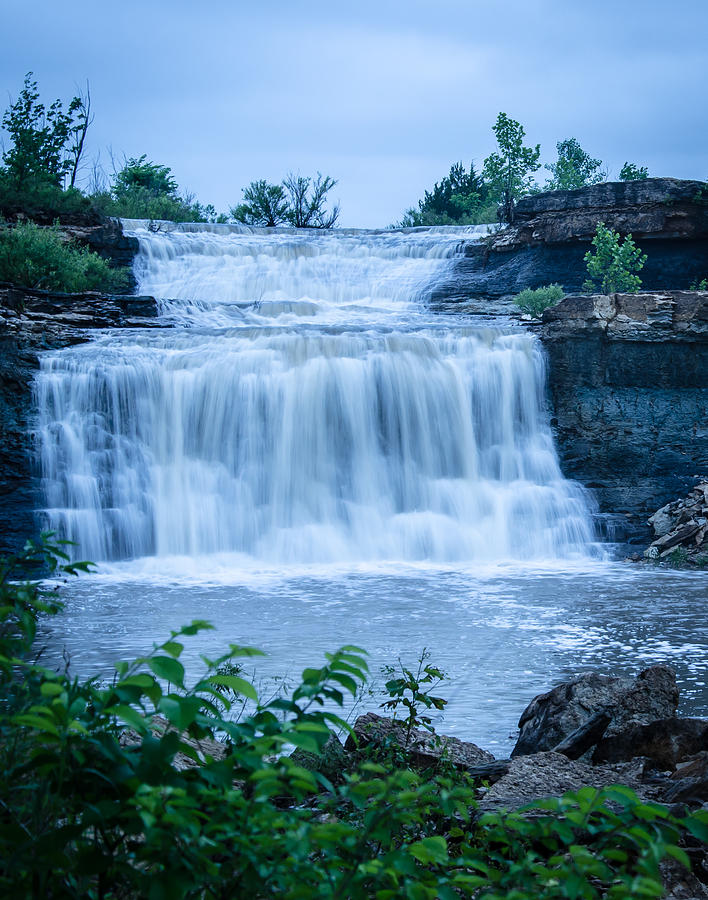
(533, 302)
(37, 257)
(91, 810)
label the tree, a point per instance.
(263, 204)
(509, 170)
(143, 189)
(574, 168)
(39, 137)
(142, 174)
(460, 198)
(630, 172)
(77, 134)
(614, 264)
(306, 201)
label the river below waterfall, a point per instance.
(306, 456)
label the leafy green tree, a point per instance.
(613, 265)
(574, 167)
(630, 172)
(48, 144)
(39, 137)
(460, 198)
(143, 174)
(508, 171)
(263, 204)
(143, 189)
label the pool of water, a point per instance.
(502, 633)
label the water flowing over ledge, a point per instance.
(306, 407)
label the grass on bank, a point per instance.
(39, 257)
(90, 810)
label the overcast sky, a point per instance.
(383, 95)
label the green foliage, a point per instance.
(92, 806)
(630, 172)
(678, 558)
(37, 257)
(263, 204)
(42, 139)
(43, 202)
(412, 691)
(300, 201)
(701, 285)
(509, 171)
(461, 198)
(614, 264)
(588, 844)
(533, 302)
(143, 189)
(574, 168)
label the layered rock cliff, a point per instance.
(667, 217)
(628, 385)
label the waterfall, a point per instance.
(301, 405)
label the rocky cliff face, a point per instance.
(668, 219)
(628, 384)
(32, 321)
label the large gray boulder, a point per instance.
(532, 778)
(552, 716)
(665, 742)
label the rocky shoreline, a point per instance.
(594, 730)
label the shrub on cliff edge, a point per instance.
(614, 264)
(36, 257)
(533, 302)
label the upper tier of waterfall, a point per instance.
(303, 405)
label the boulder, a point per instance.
(666, 742)
(423, 748)
(542, 775)
(551, 717)
(689, 783)
(682, 525)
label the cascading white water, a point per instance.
(304, 407)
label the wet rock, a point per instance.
(551, 717)
(423, 748)
(665, 742)
(205, 749)
(682, 526)
(550, 774)
(331, 762)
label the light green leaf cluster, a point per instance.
(533, 302)
(613, 265)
